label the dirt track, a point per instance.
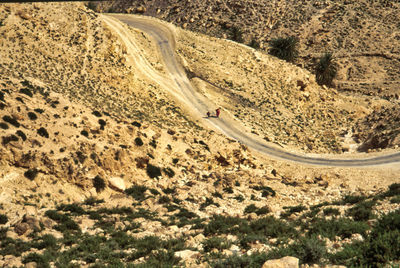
(179, 85)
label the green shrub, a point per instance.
(65, 223)
(138, 141)
(136, 124)
(153, 171)
(164, 200)
(32, 116)
(217, 243)
(284, 48)
(331, 212)
(239, 198)
(237, 34)
(223, 225)
(353, 199)
(326, 70)
(351, 255)
(216, 194)
(362, 211)
(31, 174)
(96, 113)
(3, 219)
(254, 44)
(169, 172)
(98, 183)
(394, 189)
(342, 227)
(8, 139)
(238, 261)
(309, 250)
(26, 91)
(40, 260)
(160, 259)
(21, 134)
(209, 201)
(90, 201)
(154, 191)
(169, 190)
(73, 208)
(291, 210)
(228, 190)
(85, 133)
(272, 227)
(3, 125)
(382, 248)
(12, 120)
(137, 192)
(250, 209)
(43, 132)
(395, 200)
(266, 191)
(263, 210)
(48, 242)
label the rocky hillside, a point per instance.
(363, 35)
(99, 166)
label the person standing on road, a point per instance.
(217, 112)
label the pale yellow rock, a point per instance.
(285, 262)
(117, 184)
(187, 254)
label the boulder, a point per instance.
(21, 228)
(117, 184)
(285, 262)
(187, 254)
(31, 265)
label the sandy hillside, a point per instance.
(99, 165)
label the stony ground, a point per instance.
(362, 35)
(90, 175)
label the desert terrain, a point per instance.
(103, 163)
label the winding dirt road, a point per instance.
(178, 84)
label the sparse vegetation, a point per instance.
(43, 132)
(21, 134)
(8, 139)
(31, 174)
(237, 34)
(98, 183)
(138, 141)
(169, 172)
(153, 171)
(3, 125)
(137, 192)
(26, 91)
(32, 116)
(12, 120)
(3, 219)
(85, 133)
(326, 70)
(284, 48)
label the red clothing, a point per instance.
(218, 111)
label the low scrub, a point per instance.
(284, 48)
(137, 192)
(326, 70)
